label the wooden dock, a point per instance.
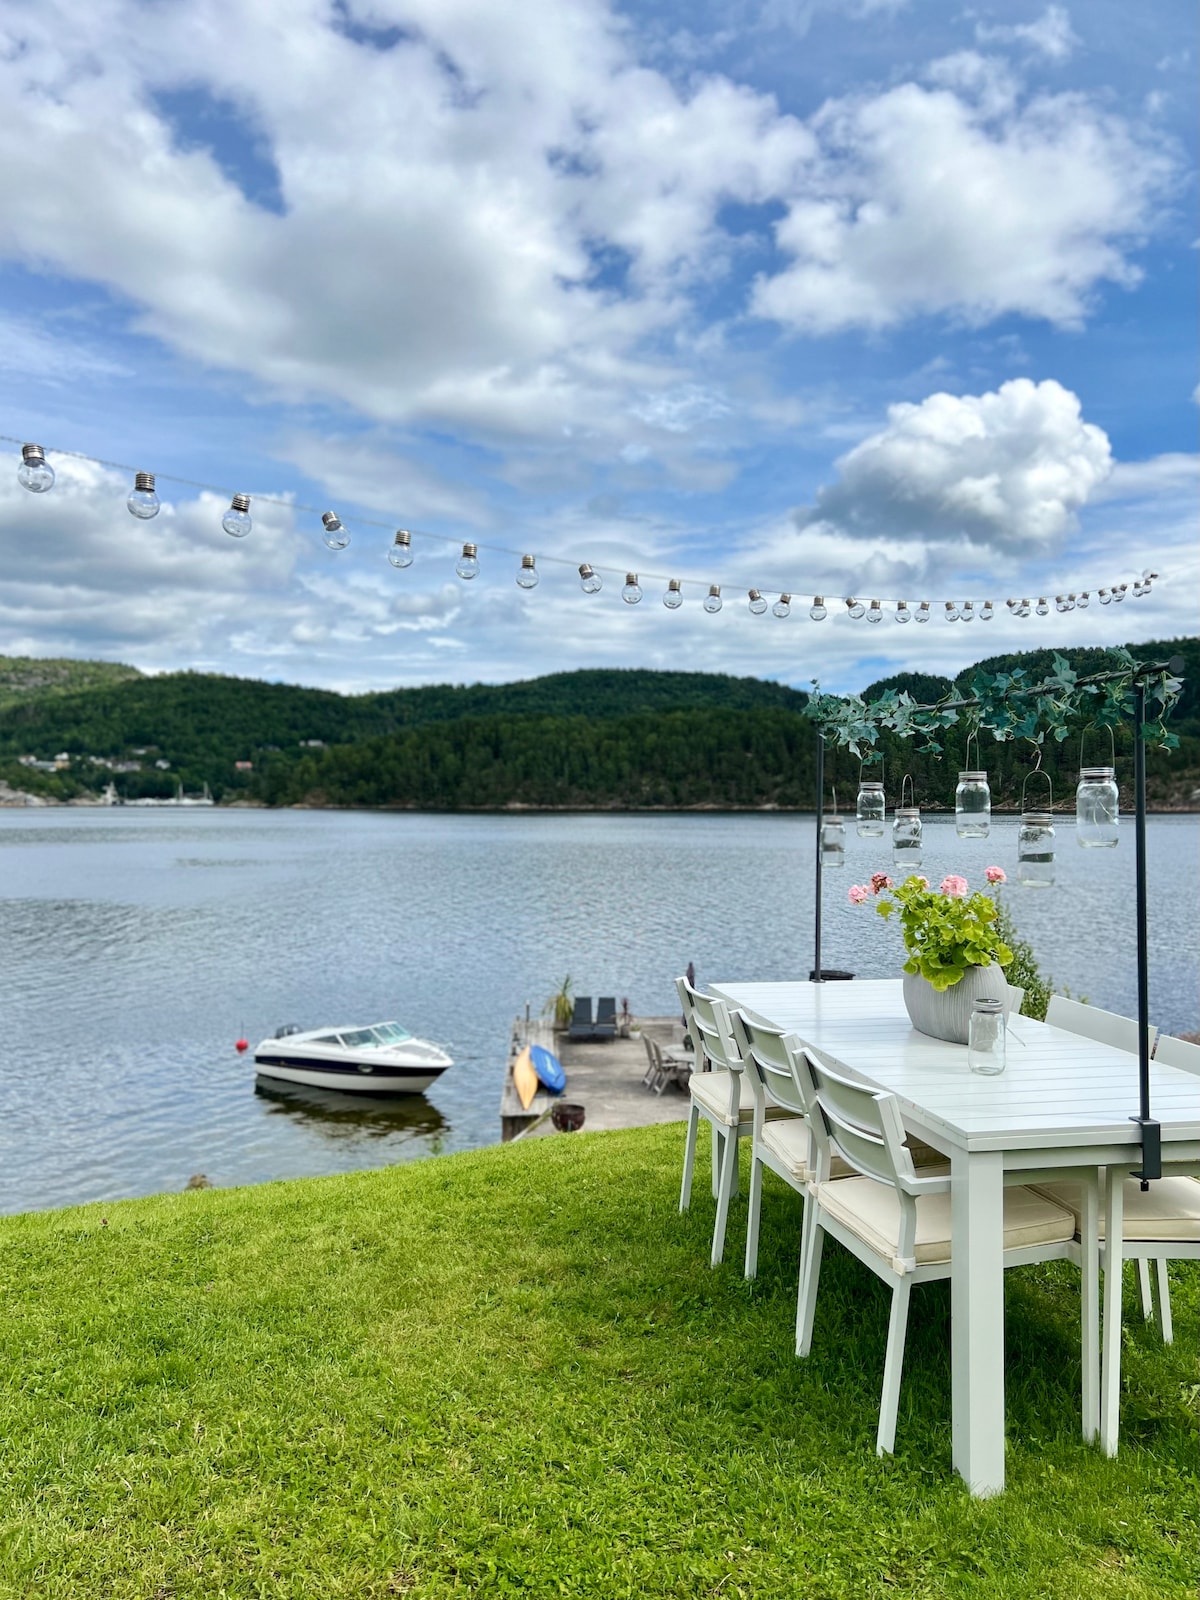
(604, 1077)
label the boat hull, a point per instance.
(351, 1077)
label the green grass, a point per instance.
(512, 1372)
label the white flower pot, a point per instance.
(946, 1013)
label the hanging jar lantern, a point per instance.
(972, 800)
(870, 809)
(907, 849)
(1035, 840)
(1097, 803)
(833, 838)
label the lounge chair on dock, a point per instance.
(606, 1018)
(581, 1026)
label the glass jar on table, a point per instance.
(985, 1037)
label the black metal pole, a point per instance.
(1151, 1137)
(815, 976)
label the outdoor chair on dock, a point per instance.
(670, 1068)
(895, 1219)
(606, 1018)
(581, 1021)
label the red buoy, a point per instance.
(242, 1046)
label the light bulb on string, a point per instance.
(673, 598)
(1023, 609)
(467, 565)
(757, 604)
(143, 502)
(401, 554)
(986, 611)
(1011, 604)
(817, 610)
(903, 614)
(875, 612)
(855, 607)
(1120, 591)
(951, 611)
(1084, 601)
(712, 600)
(923, 611)
(1104, 597)
(527, 573)
(35, 473)
(236, 521)
(1043, 607)
(782, 606)
(590, 581)
(335, 536)
(1060, 603)
(631, 591)
(967, 614)
(1071, 602)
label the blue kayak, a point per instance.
(548, 1068)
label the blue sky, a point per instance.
(890, 298)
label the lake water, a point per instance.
(138, 945)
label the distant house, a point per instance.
(312, 744)
(243, 766)
(161, 764)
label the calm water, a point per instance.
(139, 945)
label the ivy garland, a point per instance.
(1007, 705)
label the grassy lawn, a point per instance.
(512, 1372)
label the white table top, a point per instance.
(1059, 1090)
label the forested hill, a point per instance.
(582, 739)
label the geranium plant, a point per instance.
(947, 929)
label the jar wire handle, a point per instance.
(1038, 773)
(907, 780)
(1112, 745)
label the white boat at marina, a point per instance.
(376, 1058)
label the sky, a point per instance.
(892, 299)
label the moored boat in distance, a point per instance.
(375, 1058)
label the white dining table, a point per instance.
(1064, 1102)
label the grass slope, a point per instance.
(512, 1372)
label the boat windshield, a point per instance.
(392, 1032)
(360, 1038)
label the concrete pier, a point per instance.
(605, 1078)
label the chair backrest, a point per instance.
(606, 1009)
(861, 1125)
(1107, 1027)
(707, 1020)
(1179, 1053)
(582, 1016)
(1014, 1001)
(765, 1056)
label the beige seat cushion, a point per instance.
(1169, 1209)
(872, 1211)
(710, 1091)
(788, 1143)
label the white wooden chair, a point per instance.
(1014, 1001)
(1178, 1053)
(896, 1221)
(780, 1137)
(721, 1095)
(1107, 1027)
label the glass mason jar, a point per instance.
(1097, 808)
(985, 1037)
(870, 811)
(906, 837)
(1035, 850)
(833, 841)
(972, 806)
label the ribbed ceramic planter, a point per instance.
(946, 1013)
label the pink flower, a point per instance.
(857, 894)
(921, 879)
(954, 886)
(996, 875)
(879, 882)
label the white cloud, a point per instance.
(1051, 35)
(957, 200)
(1006, 472)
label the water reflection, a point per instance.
(338, 1116)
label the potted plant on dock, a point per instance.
(955, 952)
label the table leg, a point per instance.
(1110, 1367)
(977, 1319)
(1089, 1290)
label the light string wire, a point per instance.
(1140, 586)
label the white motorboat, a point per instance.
(379, 1058)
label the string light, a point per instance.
(467, 565)
(37, 475)
(143, 502)
(236, 521)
